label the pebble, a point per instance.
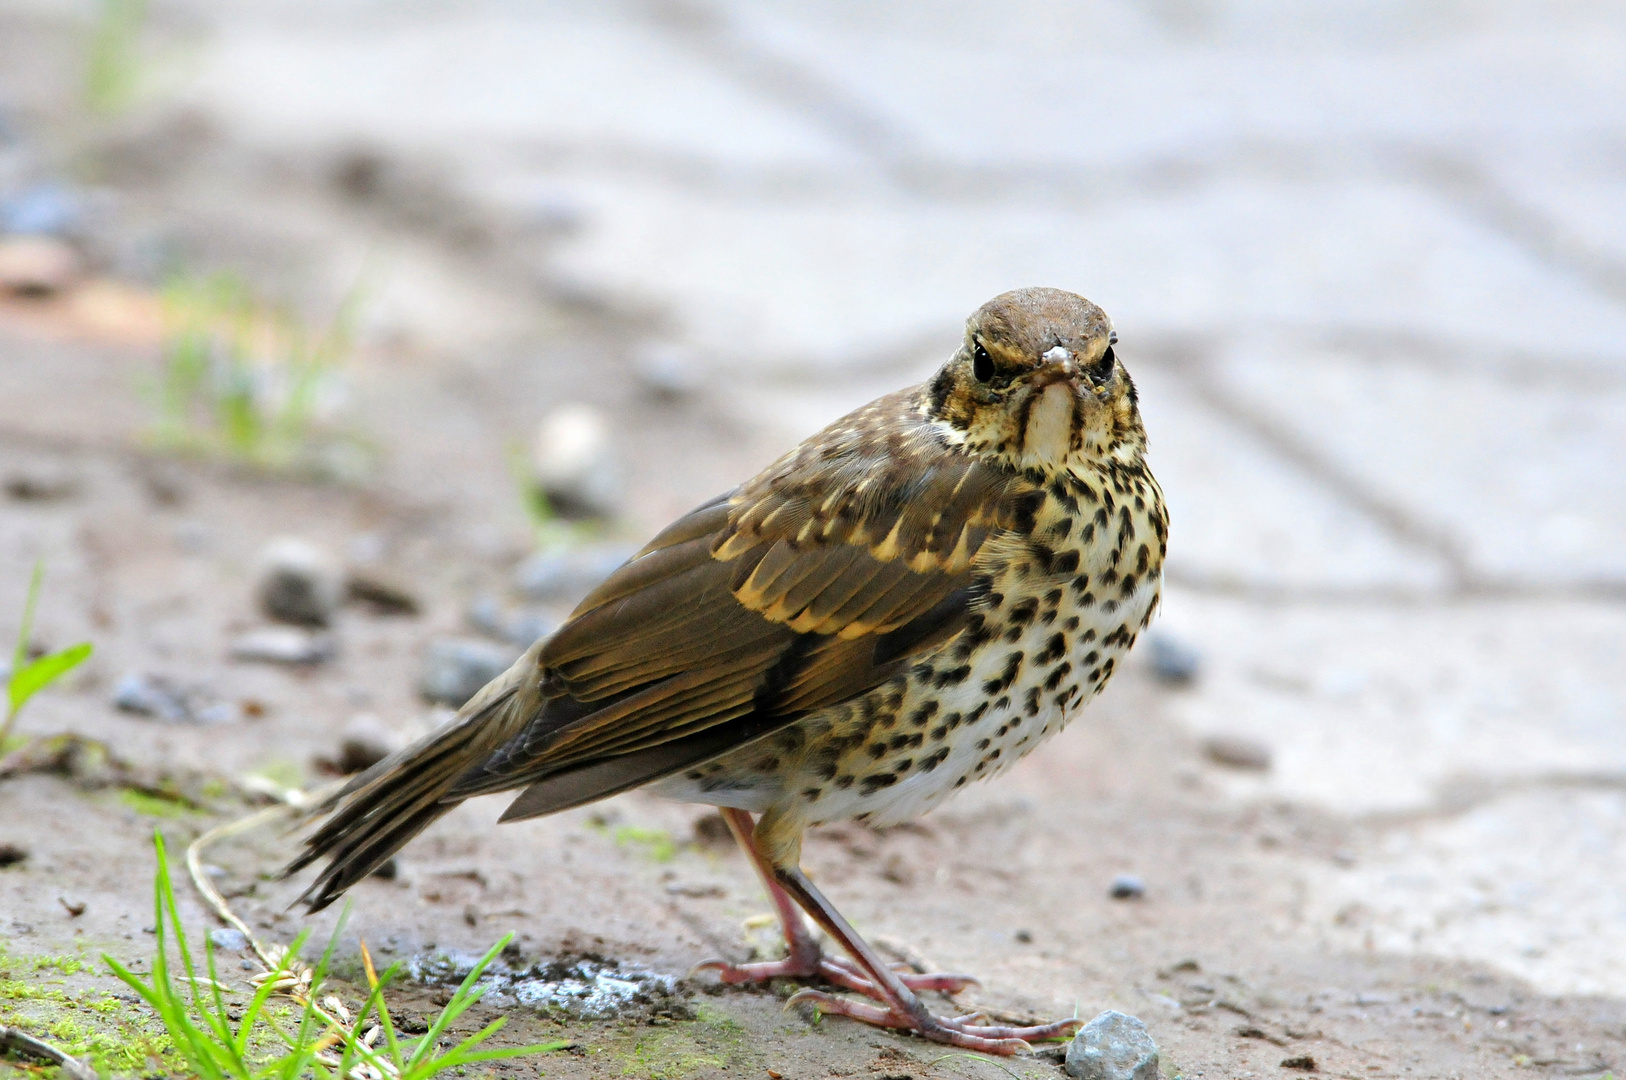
(1127, 887)
(36, 265)
(44, 209)
(283, 645)
(524, 627)
(163, 699)
(228, 939)
(575, 465)
(569, 573)
(41, 483)
(1113, 1046)
(1174, 662)
(455, 669)
(298, 582)
(363, 743)
(666, 370)
(383, 594)
(1237, 752)
(11, 854)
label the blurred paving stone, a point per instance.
(1372, 708)
(1245, 518)
(1524, 474)
(1113, 1046)
(523, 627)
(299, 582)
(1471, 887)
(228, 939)
(1237, 752)
(1174, 661)
(454, 669)
(1126, 887)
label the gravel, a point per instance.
(1113, 1046)
(161, 698)
(1127, 887)
(567, 574)
(299, 582)
(284, 645)
(454, 669)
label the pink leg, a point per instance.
(804, 958)
(902, 1008)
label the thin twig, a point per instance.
(24, 1043)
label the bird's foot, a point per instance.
(836, 970)
(961, 1031)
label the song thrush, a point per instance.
(911, 599)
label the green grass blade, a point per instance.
(32, 678)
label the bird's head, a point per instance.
(1037, 383)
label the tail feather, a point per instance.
(375, 814)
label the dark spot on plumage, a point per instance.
(812, 793)
(1143, 559)
(877, 750)
(695, 774)
(953, 676)
(934, 759)
(1022, 614)
(983, 744)
(1109, 576)
(1002, 702)
(844, 781)
(1054, 679)
(900, 742)
(1140, 502)
(1129, 584)
(1088, 535)
(1070, 624)
(1052, 598)
(993, 755)
(1032, 705)
(977, 713)
(1102, 519)
(1064, 563)
(995, 600)
(925, 712)
(1048, 617)
(872, 784)
(1109, 606)
(827, 771)
(1026, 508)
(1095, 675)
(939, 731)
(1108, 504)
(1087, 637)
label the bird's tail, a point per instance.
(376, 813)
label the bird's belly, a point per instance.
(899, 750)
(941, 737)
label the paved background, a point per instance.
(1367, 259)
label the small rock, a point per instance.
(1237, 752)
(667, 370)
(384, 595)
(164, 699)
(569, 573)
(1303, 1062)
(283, 645)
(363, 743)
(455, 669)
(299, 583)
(41, 483)
(524, 627)
(1127, 887)
(1113, 1046)
(11, 854)
(36, 265)
(575, 463)
(711, 829)
(695, 889)
(41, 210)
(1023, 937)
(228, 939)
(1174, 662)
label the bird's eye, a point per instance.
(982, 365)
(1102, 368)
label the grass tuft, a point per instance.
(219, 1038)
(246, 382)
(29, 677)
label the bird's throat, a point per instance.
(1048, 437)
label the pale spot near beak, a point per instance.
(1056, 355)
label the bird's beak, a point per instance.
(1059, 366)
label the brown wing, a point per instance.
(815, 581)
